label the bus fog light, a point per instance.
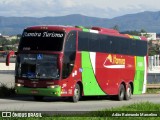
(56, 93)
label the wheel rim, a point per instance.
(129, 92)
(122, 93)
(76, 93)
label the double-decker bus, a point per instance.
(74, 61)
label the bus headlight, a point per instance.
(19, 85)
(53, 86)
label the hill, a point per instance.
(149, 21)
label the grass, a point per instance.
(138, 108)
(153, 90)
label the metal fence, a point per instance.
(153, 78)
(154, 64)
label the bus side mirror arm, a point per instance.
(11, 53)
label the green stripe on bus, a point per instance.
(90, 85)
(39, 91)
(139, 76)
(85, 30)
(139, 73)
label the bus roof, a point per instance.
(52, 27)
(81, 28)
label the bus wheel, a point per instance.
(121, 93)
(77, 94)
(38, 98)
(128, 93)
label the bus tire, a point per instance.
(121, 93)
(128, 93)
(77, 93)
(38, 98)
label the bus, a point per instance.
(76, 61)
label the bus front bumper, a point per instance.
(39, 91)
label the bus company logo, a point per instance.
(112, 61)
(6, 114)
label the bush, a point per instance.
(5, 91)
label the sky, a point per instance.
(93, 8)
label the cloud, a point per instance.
(96, 8)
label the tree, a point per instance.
(153, 49)
(143, 31)
(3, 41)
(137, 33)
(116, 27)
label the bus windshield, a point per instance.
(37, 66)
(42, 40)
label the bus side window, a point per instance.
(70, 42)
(133, 47)
(115, 45)
(141, 48)
(83, 41)
(94, 42)
(124, 46)
(105, 44)
(69, 54)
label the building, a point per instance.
(10, 37)
(150, 36)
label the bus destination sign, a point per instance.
(43, 34)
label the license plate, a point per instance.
(34, 91)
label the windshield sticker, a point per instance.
(39, 56)
(29, 58)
